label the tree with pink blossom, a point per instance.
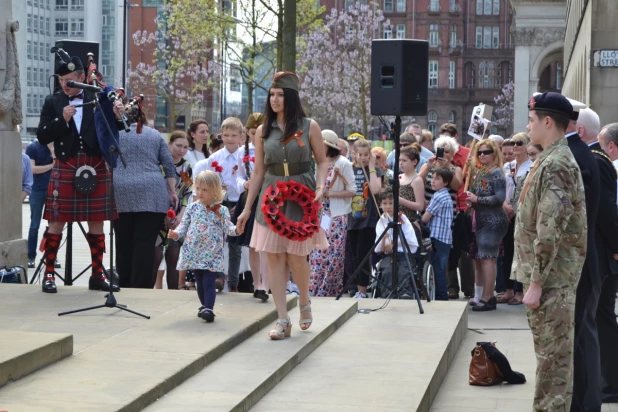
(335, 65)
(504, 108)
(182, 70)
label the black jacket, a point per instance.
(590, 175)
(607, 219)
(67, 140)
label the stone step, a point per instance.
(123, 362)
(391, 360)
(242, 376)
(22, 353)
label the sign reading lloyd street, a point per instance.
(608, 58)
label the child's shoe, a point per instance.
(207, 314)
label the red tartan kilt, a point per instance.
(68, 205)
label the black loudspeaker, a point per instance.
(399, 77)
(76, 48)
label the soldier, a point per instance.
(550, 246)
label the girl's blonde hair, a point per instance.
(489, 143)
(213, 184)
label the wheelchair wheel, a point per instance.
(430, 282)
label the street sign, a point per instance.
(608, 58)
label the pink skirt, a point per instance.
(264, 239)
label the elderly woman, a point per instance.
(327, 266)
(143, 196)
(446, 147)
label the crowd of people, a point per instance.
(526, 220)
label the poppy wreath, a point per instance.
(272, 204)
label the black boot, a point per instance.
(49, 284)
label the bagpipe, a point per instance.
(107, 96)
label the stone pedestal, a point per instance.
(13, 249)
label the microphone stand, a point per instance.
(110, 302)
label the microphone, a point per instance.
(83, 86)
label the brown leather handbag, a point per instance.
(483, 371)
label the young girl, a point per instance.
(178, 145)
(411, 189)
(364, 217)
(203, 229)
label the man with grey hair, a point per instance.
(607, 244)
(497, 139)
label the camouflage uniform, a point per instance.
(550, 247)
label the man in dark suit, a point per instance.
(79, 184)
(586, 358)
(608, 250)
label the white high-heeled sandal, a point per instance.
(306, 321)
(283, 329)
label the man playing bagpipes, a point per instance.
(79, 187)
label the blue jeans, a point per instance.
(37, 204)
(205, 285)
(439, 261)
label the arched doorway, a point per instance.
(551, 72)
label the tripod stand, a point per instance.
(113, 151)
(395, 226)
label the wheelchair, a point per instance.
(422, 271)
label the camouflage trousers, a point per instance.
(553, 328)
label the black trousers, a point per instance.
(136, 234)
(607, 328)
(361, 242)
(587, 356)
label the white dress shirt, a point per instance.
(407, 229)
(231, 163)
(194, 156)
(79, 112)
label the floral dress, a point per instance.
(327, 266)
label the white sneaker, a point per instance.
(360, 295)
(288, 288)
(294, 289)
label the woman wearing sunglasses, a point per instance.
(487, 196)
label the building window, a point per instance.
(77, 4)
(486, 75)
(47, 26)
(433, 35)
(434, 5)
(388, 33)
(29, 78)
(388, 5)
(77, 27)
(62, 4)
(451, 74)
(487, 7)
(479, 7)
(29, 22)
(401, 31)
(47, 54)
(42, 78)
(401, 6)
(29, 50)
(35, 77)
(496, 7)
(495, 37)
(29, 103)
(479, 37)
(41, 51)
(487, 37)
(451, 116)
(558, 75)
(432, 120)
(453, 41)
(433, 74)
(62, 27)
(469, 75)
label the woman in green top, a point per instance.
(284, 147)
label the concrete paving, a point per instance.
(22, 353)
(508, 326)
(121, 361)
(391, 360)
(243, 375)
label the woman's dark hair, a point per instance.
(177, 134)
(214, 143)
(192, 129)
(446, 175)
(332, 152)
(411, 153)
(247, 162)
(292, 110)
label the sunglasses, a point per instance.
(518, 143)
(484, 152)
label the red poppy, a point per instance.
(245, 159)
(272, 202)
(171, 214)
(234, 169)
(252, 159)
(214, 164)
(272, 192)
(219, 169)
